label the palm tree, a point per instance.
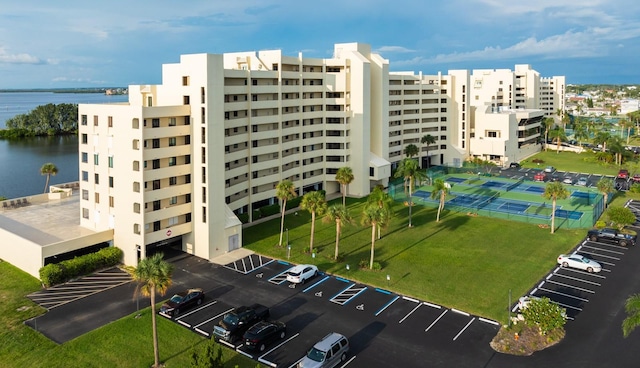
(617, 148)
(558, 135)
(315, 203)
(340, 215)
(374, 216)
(381, 199)
(547, 123)
(48, 169)
(605, 186)
(428, 140)
(440, 190)
(344, 176)
(409, 169)
(626, 124)
(153, 275)
(285, 190)
(602, 138)
(632, 306)
(580, 131)
(411, 150)
(555, 190)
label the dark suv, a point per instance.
(612, 235)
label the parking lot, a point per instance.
(530, 173)
(381, 325)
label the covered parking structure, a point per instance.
(37, 233)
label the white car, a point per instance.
(567, 180)
(301, 273)
(549, 169)
(582, 181)
(580, 262)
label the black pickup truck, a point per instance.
(235, 323)
(611, 235)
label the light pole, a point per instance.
(288, 246)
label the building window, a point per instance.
(173, 200)
(135, 124)
(187, 198)
(85, 213)
(85, 176)
(172, 141)
(96, 159)
(156, 205)
(155, 143)
(492, 134)
(136, 187)
(173, 180)
(111, 182)
(204, 195)
(204, 214)
(185, 81)
(187, 217)
(111, 201)
(136, 228)
(111, 162)
(156, 184)
(156, 164)
(85, 194)
(136, 207)
(185, 100)
(85, 157)
(97, 197)
(204, 155)
(204, 175)
(156, 226)
(136, 165)
(172, 121)
(96, 178)
(85, 139)
(95, 120)
(155, 123)
(443, 146)
(83, 120)
(110, 121)
(172, 161)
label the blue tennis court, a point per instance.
(456, 180)
(584, 195)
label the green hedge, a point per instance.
(57, 273)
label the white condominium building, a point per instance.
(183, 160)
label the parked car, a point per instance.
(582, 181)
(235, 323)
(636, 178)
(182, 301)
(568, 180)
(549, 169)
(328, 352)
(263, 333)
(301, 273)
(514, 165)
(541, 176)
(623, 174)
(611, 235)
(580, 262)
(555, 176)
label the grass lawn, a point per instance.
(584, 162)
(123, 343)
(465, 262)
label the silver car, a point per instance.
(582, 181)
(328, 352)
(580, 262)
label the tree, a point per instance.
(632, 307)
(48, 169)
(315, 203)
(375, 216)
(409, 169)
(285, 190)
(602, 138)
(428, 139)
(616, 147)
(411, 150)
(344, 176)
(554, 191)
(340, 215)
(544, 314)
(381, 199)
(558, 135)
(580, 131)
(440, 190)
(620, 216)
(547, 123)
(626, 124)
(153, 275)
(210, 358)
(605, 186)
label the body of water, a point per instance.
(21, 160)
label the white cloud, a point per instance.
(8, 58)
(393, 49)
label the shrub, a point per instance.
(620, 216)
(293, 203)
(600, 224)
(57, 273)
(545, 315)
(537, 161)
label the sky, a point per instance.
(118, 43)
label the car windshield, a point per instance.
(176, 298)
(294, 273)
(231, 319)
(316, 355)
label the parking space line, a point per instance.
(279, 278)
(564, 294)
(432, 305)
(316, 284)
(603, 249)
(605, 244)
(350, 293)
(459, 312)
(571, 286)
(600, 255)
(387, 305)
(465, 327)
(436, 320)
(576, 279)
(212, 318)
(489, 321)
(264, 361)
(583, 272)
(408, 314)
(348, 361)
(197, 310)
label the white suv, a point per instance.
(328, 352)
